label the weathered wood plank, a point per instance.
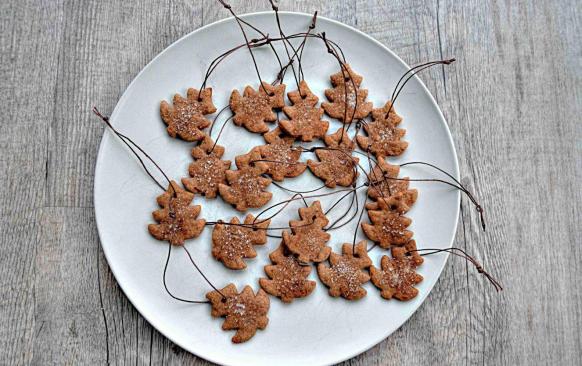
(513, 101)
(29, 40)
(522, 168)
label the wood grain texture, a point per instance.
(513, 101)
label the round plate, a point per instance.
(318, 329)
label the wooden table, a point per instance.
(513, 102)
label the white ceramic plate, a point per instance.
(315, 330)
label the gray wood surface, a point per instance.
(514, 104)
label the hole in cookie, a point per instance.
(346, 79)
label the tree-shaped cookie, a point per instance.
(287, 277)
(384, 138)
(232, 243)
(185, 117)
(346, 84)
(177, 219)
(345, 275)
(383, 185)
(245, 312)
(245, 186)
(255, 107)
(304, 115)
(307, 239)
(208, 170)
(281, 157)
(388, 225)
(397, 276)
(336, 165)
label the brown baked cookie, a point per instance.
(397, 276)
(232, 243)
(383, 184)
(347, 83)
(185, 117)
(245, 312)
(281, 156)
(287, 277)
(383, 136)
(207, 171)
(307, 239)
(176, 218)
(345, 276)
(304, 116)
(246, 187)
(336, 164)
(255, 107)
(388, 225)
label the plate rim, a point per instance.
(105, 136)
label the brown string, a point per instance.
(128, 142)
(462, 254)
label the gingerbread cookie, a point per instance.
(232, 243)
(281, 156)
(207, 171)
(336, 164)
(383, 136)
(287, 277)
(346, 274)
(185, 117)
(383, 185)
(255, 107)
(245, 312)
(246, 187)
(304, 116)
(388, 223)
(307, 239)
(177, 219)
(397, 276)
(346, 83)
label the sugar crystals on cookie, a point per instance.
(346, 99)
(177, 219)
(345, 275)
(207, 170)
(397, 276)
(336, 165)
(304, 115)
(185, 117)
(307, 239)
(287, 277)
(244, 312)
(232, 242)
(255, 107)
